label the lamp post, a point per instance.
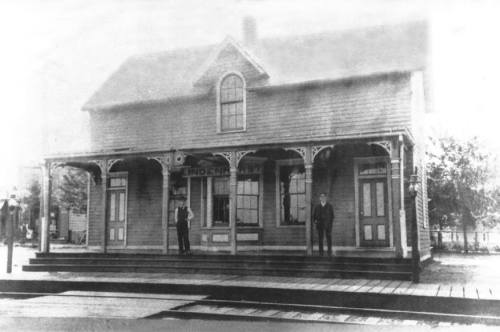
(415, 254)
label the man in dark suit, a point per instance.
(323, 219)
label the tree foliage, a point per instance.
(69, 189)
(460, 185)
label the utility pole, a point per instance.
(11, 221)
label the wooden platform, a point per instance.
(248, 265)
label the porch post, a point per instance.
(45, 222)
(308, 165)
(233, 169)
(104, 186)
(165, 204)
(399, 213)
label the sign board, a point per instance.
(219, 171)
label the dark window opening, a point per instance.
(292, 182)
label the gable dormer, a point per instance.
(230, 57)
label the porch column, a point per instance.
(45, 222)
(398, 193)
(308, 165)
(233, 169)
(165, 205)
(104, 186)
(209, 201)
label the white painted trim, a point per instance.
(202, 202)
(159, 247)
(261, 199)
(89, 179)
(188, 199)
(215, 53)
(218, 108)
(96, 248)
(209, 201)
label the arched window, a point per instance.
(232, 99)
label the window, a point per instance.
(292, 187)
(232, 112)
(247, 201)
(220, 201)
(379, 168)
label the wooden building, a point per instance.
(251, 132)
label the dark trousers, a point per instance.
(183, 236)
(327, 232)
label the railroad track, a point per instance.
(222, 309)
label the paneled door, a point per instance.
(373, 209)
(116, 216)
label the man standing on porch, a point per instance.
(323, 219)
(183, 215)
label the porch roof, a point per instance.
(86, 156)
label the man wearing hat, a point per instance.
(323, 219)
(183, 215)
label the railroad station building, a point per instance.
(251, 132)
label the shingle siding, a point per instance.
(310, 113)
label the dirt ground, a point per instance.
(455, 268)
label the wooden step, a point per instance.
(192, 269)
(222, 264)
(226, 257)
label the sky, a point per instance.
(57, 53)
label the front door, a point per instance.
(373, 209)
(116, 217)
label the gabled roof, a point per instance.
(286, 60)
(212, 59)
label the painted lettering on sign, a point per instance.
(219, 171)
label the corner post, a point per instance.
(398, 194)
(165, 206)
(308, 165)
(233, 183)
(45, 224)
(415, 253)
(104, 186)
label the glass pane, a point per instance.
(301, 200)
(381, 232)
(112, 207)
(121, 207)
(380, 199)
(111, 234)
(239, 202)
(120, 233)
(375, 168)
(367, 202)
(232, 122)
(254, 216)
(293, 186)
(301, 184)
(255, 188)
(225, 122)
(367, 231)
(253, 202)
(241, 187)
(293, 201)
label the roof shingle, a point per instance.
(287, 60)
